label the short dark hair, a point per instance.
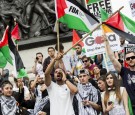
(5, 83)
(50, 48)
(39, 53)
(103, 78)
(78, 45)
(88, 58)
(103, 71)
(60, 45)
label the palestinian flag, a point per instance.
(4, 48)
(122, 25)
(18, 64)
(76, 38)
(92, 1)
(75, 15)
(15, 34)
(3, 61)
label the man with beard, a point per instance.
(127, 74)
(77, 62)
(60, 93)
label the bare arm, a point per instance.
(33, 85)
(110, 53)
(34, 67)
(125, 100)
(48, 71)
(73, 88)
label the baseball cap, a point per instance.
(83, 71)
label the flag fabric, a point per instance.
(4, 47)
(104, 17)
(15, 34)
(18, 64)
(122, 25)
(75, 15)
(3, 61)
(76, 38)
(92, 1)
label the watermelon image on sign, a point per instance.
(98, 40)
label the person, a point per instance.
(101, 83)
(88, 64)
(51, 52)
(127, 74)
(89, 100)
(38, 67)
(115, 98)
(77, 62)
(96, 72)
(60, 93)
(8, 104)
(66, 62)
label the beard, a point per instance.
(79, 52)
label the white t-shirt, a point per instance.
(39, 70)
(60, 99)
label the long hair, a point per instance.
(117, 89)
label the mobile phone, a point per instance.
(110, 102)
(37, 58)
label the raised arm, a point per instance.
(110, 53)
(49, 69)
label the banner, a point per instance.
(94, 8)
(132, 7)
(94, 45)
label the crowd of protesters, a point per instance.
(72, 85)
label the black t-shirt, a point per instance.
(129, 82)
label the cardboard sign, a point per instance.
(94, 45)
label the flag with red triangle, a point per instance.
(122, 25)
(76, 38)
(4, 47)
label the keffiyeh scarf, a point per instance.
(8, 105)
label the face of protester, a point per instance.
(7, 90)
(86, 62)
(130, 59)
(40, 57)
(78, 49)
(109, 80)
(40, 80)
(101, 85)
(58, 74)
(84, 78)
(51, 52)
(122, 41)
(96, 70)
(19, 82)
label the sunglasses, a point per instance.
(77, 48)
(128, 58)
(85, 61)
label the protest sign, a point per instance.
(94, 44)
(94, 8)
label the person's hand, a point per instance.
(43, 87)
(63, 76)
(109, 107)
(58, 56)
(80, 57)
(104, 38)
(42, 113)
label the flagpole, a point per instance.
(91, 31)
(58, 36)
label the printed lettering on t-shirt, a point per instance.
(131, 79)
